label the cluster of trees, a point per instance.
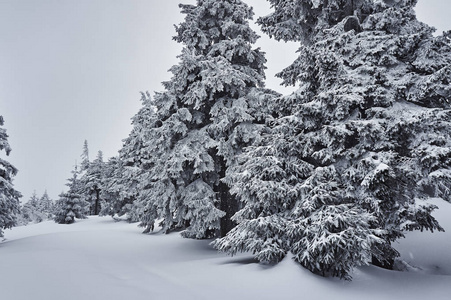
(82, 199)
(36, 209)
(333, 173)
(85, 186)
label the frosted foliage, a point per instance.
(9, 197)
(199, 200)
(119, 189)
(185, 137)
(363, 141)
(331, 237)
(302, 20)
(262, 236)
(299, 20)
(4, 145)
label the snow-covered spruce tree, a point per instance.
(210, 109)
(9, 197)
(71, 204)
(356, 149)
(91, 183)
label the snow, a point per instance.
(99, 258)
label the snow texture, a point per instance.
(99, 258)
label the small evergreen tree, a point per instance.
(9, 197)
(71, 205)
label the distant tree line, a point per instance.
(36, 209)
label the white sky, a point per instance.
(72, 70)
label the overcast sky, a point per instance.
(72, 70)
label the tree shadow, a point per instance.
(240, 261)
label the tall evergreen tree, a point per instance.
(9, 197)
(91, 183)
(356, 149)
(211, 108)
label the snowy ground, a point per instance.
(99, 258)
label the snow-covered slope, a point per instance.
(99, 258)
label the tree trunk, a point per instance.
(228, 203)
(387, 257)
(229, 206)
(386, 264)
(96, 205)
